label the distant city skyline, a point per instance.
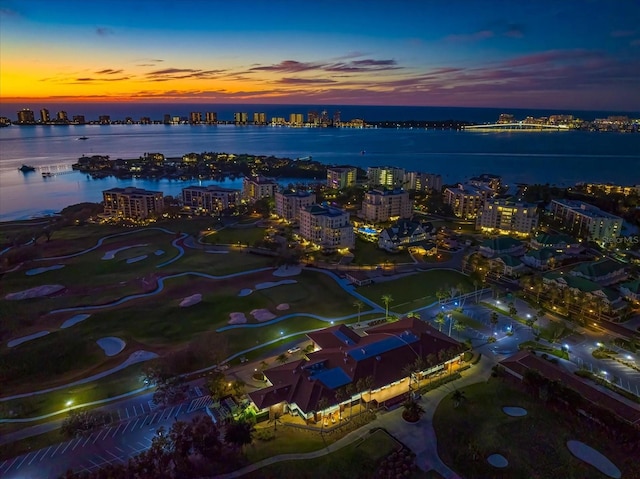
(582, 55)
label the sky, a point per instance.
(569, 54)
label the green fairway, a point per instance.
(415, 290)
(367, 253)
(534, 445)
(232, 236)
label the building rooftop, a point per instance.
(500, 243)
(598, 269)
(547, 239)
(586, 209)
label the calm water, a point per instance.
(561, 158)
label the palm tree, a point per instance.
(358, 305)
(413, 314)
(494, 319)
(282, 358)
(412, 410)
(323, 404)
(458, 327)
(386, 298)
(351, 390)
(440, 320)
(457, 396)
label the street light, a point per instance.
(69, 402)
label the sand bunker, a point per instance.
(286, 270)
(36, 292)
(191, 300)
(271, 284)
(282, 307)
(596, 459)
(75, 320)
(112, 254)
(24, 339)
(237, 318)
(111, 345)
(33, 272)
(245, 292)
(497, 460)
(136, 259)
(158, 252)
(262, 315)
(514, 411)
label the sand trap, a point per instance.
(111, 345)
(158, 252)
(33, 272)
(262, 315)
(237, 318)
(596, 459)
(191, 300)
(36, 292)
(497, 460)
(24, 339)
(75, 320)
(245, 292)
(136, 259)
(287, 270)
(112, 254)
(282, 307)
(514, 411)
(271, 284)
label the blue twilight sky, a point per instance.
(530, 54)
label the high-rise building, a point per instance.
(384, 205)
(211, 118)
(467, 200)
(289, 203)
(195, 118)
(166, 119)
(313, 118)
(210, 199)
(507, 217)
(486, 179)
(132, 203)
(255, 188)
(240, 118)
(343, 177)
(296, 119)
(259, 118)
(336, 118)
(418, 181)
(44, 116)
(327, 227)
(79, 119)
(62, 117)
(104, 119)
(387, 176)
(26, 117)
(586, 221)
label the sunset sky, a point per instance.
(530, 54)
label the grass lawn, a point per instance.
(367, 253)
(468, 321)
(416, 290)
(357, 460)
(534, 445)
(33, 443)
(229, 235)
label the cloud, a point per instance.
(108, 71)
(98, 80)
(470, 37)
(104, 31)
(366, 65)
(303, 81)
(289, 66)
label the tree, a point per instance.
(413, 314)
(205, 436)
(351, 390)
(412, 410)
(494, 320)
(512, 309)
(80, 422)
(440, 320)
(457, 396)
(386, 298)
(282, 358)
(458, 327)
(238, 386)
(323, 404)
(239, 433)
(358, 305)
(217, 384)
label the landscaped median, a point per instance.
(537, 346)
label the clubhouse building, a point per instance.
(347, 368)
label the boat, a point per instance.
(47, 174)
(83, 138)
(27, 168)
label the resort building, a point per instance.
(373, 364)
(604, 272)
(132, 203)
(557, 242)
(240, 118)
(418, 181)
(631, 290)
(403, 234)
(327, 227)
(386, 176)
(591, 289)
(467, 200)
(340, 178)
(255, 188)
(209, 199)
(507, 265)
(491, 181)
(507, 217)
(586, 221)
(501, 245)
(542, 259)
(610, 189)
(290, 202)
(386, 205)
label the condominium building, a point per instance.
(289, 203)
(240, 118)
(507, 217)
(467, 200)
(384, 205)
(327, 227)
(609, 189)
(210, 199)
(44, 116)
(387, 176)
(26, 116)
(211, 117)
(195, 118)
(260, 118)
(419, 181)
(341, 177)
(132, 203)
(255, 188)
(586, 221)
(492, 181)
(296, 119)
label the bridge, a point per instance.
(516, 126)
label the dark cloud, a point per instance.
(289, 66)
(98, 80)
(554, 57)
(103, 31)
(108, 71)
(304, 81)
(366, 65)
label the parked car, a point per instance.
(293, 350)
